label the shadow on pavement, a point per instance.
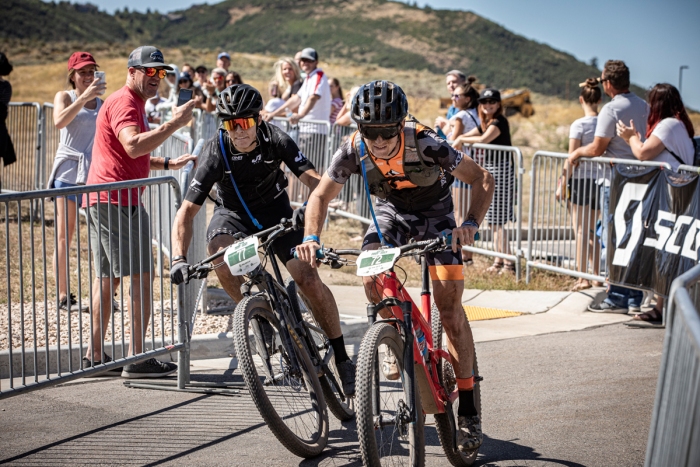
(153, 438)
(494, 451)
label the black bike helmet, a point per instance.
(379, 103)
(239, 101)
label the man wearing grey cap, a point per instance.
(120, 236)
(453, 78)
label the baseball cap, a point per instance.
(223, 55)
(147, 56)
(309, 54)
(490, 94)
(184, 75)
(80, 59)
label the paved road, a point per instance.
(571, 399)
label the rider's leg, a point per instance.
(323, 304)
(230, 283)
(448, 298)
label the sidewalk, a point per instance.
(539, 313)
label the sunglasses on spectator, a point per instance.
(489, 102)
(456, 96)
(151, 72)
(374, 132)
(231, 81)
(244, 123)
(218, 78)
(602, 80)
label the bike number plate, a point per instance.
(373, 262)
(242, 257)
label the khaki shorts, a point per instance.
(120, 239)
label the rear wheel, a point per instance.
(444, 423)
(342, 407)
(385, 430)
(289, 399)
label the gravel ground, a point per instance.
(205, 324)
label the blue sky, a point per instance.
(653, 37)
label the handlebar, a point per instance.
(201, 269)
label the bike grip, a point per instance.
(448, 239)
(319, 254)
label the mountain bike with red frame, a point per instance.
(390, 414)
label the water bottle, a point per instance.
(422, 346)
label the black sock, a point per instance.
(339, 352)
(466, 404)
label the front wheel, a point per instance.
(386, 431)
(444, 423)
(288, 396)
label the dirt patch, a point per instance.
(237, 14)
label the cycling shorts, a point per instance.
(227, 222)
(399, 227)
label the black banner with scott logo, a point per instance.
(654, 231)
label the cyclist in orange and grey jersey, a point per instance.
(410, 169)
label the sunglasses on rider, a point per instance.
(374, 132)
(151, 72)
(244, 123)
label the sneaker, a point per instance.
(469, 436)
(634, 309)
(70, 302)
(151, 368)
(606, 307)
(346, 370)
(87, 363)
(389, 366)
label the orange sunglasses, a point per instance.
(244, 123)
(151, 72)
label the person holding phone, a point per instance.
(75, 113)
(122, 151)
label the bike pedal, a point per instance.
(478, 378)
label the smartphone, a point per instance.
(100, 75)
(184, 96)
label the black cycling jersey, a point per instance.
(257, 173)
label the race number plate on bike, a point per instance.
(242, 257)
(373, 262)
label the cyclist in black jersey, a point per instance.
(243, 161)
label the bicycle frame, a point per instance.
(408, 317)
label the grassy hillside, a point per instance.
(372, 32)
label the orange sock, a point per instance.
(465, 384)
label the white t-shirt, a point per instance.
(316, 83)
(470, 120)
(583, 130)
(674, 136)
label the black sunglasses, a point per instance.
(488, 101)
(374, 132)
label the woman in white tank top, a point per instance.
(75, 115)
(581, 187)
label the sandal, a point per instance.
(507, 268)
(652, 316)
(495, 268)
(581, 284)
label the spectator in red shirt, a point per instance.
(119, 224)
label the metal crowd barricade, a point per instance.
(312, 137)
(44, 345)
(352, 199)
(24, 126)
(49, 146)
(565, 221)
(674, 435)
(205, 125)
(501, 230)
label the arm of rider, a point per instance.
(315, 215)
(64, 111)
(644, 151)
(594, 149)
(482, 184)
(181, 238)
(291, 104)
(303, 112)
(137, 144)
(310, 178)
